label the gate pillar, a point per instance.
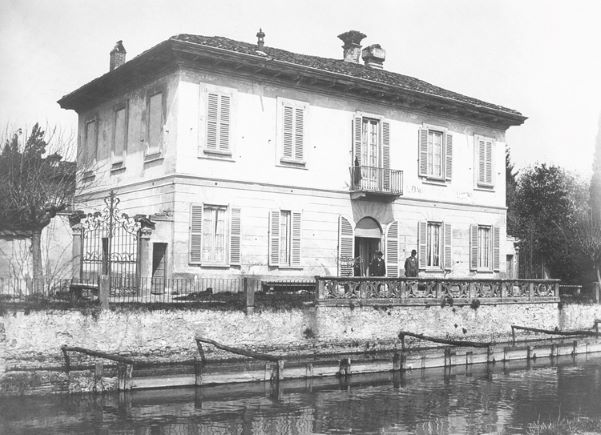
(145, 262)
(76, 252)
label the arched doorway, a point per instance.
(368, 237)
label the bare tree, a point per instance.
(35, 185)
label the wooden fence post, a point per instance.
(103, 292)
(319, 287)
(198, 363)
(249, 290)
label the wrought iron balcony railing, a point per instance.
(371, 179)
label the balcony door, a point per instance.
(370, 153)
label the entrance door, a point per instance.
(159, 251)
(365, 251)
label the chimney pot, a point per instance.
(117, 55)
(260, 39)
(374, 56)
(352, 45)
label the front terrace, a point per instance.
(351, 291)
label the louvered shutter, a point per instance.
(448, 249)
(212, 119)
(346, 247)
(392, 250)
(496, 240)
(386, 153)
(288, 133)
(422, 241)
(274, 238)
(423, 152)
(488, 162)
(474, 247)
(295, 257)
(299, 133)
(224, 123)
(481, 161)
(195, 234)
(235, 234)
(449, 157)
(357, 139)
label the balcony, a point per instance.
(374, 182)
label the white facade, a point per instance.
(224, 150)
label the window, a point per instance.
(215, 235)
(285, 238)
(156, 119)
(291, 131)
(434, 242)
(91, 141)
(370, 168)
(485, 161)
(433, 245)
(218, 123)
(435, 154)
(484, 248)
(119, 136)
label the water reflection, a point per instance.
(477, 399)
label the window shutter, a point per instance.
(195, 233)
(392, 250)
(481, 160)
(423, 153)
(422, 239)
(449, 157)
(357, 138)
(295, 257)
(224, 123)
(386, 153)
(212, 121)
(299, 133)
(474, 247)
(346, 247)
(287, 132)
(488, 162)
(235, 234)
(496, 240)
(448, 251)
(274, 237)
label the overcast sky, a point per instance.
(541, 57)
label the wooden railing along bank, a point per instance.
(350, 291)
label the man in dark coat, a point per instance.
(377, 266)
(411, 267)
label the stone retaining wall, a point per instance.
(32, 341)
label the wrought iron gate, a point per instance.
(110, 244)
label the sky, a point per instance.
(540, 57)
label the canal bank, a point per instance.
(32, 362)
(500, 398)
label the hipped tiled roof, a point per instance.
(169, 53)
(350, 69)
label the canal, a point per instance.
(500, 398)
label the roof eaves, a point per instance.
(505, 112)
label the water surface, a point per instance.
(504, 398)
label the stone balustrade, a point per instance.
(341, 291)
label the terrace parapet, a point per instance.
(374, 291)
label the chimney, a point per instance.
(374, 56)
(352, 45)
(117, 56)
(260, 39)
